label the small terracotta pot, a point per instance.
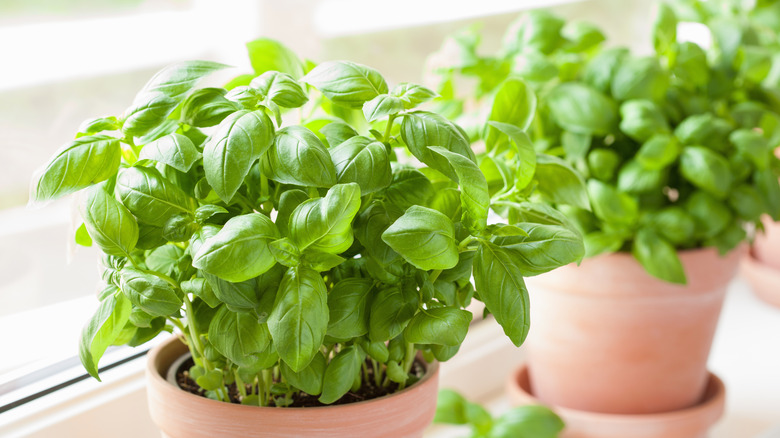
(692, 422)
(766, 248)
(180, 414)
(763, 279)
(608, 337)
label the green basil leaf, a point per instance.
(664, 29)
(767, 184)
(474, 189)
(299, 319)
(238, 335)
(611, 205)
(412, 95)
(281, 88)
(526, 155)
(500, 285)
(369, 226)
(97, 125)
(239, 251)
(602, 242)
(658, 152)
(635, 178)
(534, 67)
(101, 330)
(425, 238)
(536, 30)
(151, 197)
(640, 78)
(244, 97)
(527, 422)
(164, 260)
(421, 129)
(690, 65)
(82, 236)
(673, 224)
(441, 325)
(325, 224)
(363, 161)
(266, 54)
(174, 150)
(579, 108)
(149, 292)
(602, 68)
(409, 187)
(237, 296)
(559, 183)
(342, 371)
(309, 379)
(382, 106)
(706, 169)
(746, 202)
(200, 288)
(391, 310)
(704, 129)
(285, 252)
(753, 145)
(79, 164)
(754, 62)
(642, 119)
(514, 104)
(206, 107)
(110, 225)
(582, 36)
(289, 201)
(298, 157)
(658, 256)
(541, 248)
(710, 214)
(238, 142)
(337, 132)
(163, 93)
(348, 303)
(346, 83)
(206, 212)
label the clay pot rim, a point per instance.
(714, 400)
(431, 371)
(757, 273)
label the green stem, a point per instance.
(388, 129)
(434, 275)
(465, 243)
(408, 361)
(239, 383)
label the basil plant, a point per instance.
(676, 148)
(307, 230)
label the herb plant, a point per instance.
(271, 223)
(530, 421)
(676, 148)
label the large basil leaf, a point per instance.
(535, 31)
(500, 285)
(150, 197)
(612, 205)
(109, 223)
(514, 104)
(289, 201)
(421, 129)
(710, 214)
(382, 106)
(149, 292)
(635, 178)
(266, 54)
(348, 304)
(299, 320)
(102, 329)
(369, 226)
(281, 88)
(238, 142)
(558, 182)
(81, 163)
(658, 152)
(325, 224)
(526, 155)
(391, 310)
(298, 157)
(362, 161)
(640, 78)
(704, 129)
(337, 132)
(425, 238)
(309, 379)
(579, 108)
(706, 169)
(672, 223)
(239, 251)
(544, 248)
(237, 296)
(474, 195)
(341, 373)
(641, 119)
(238, 335)
(163, 93)
(601, 69)
(441, 326)
(174, 150)
(206, 107)
(658, 256)
(347, 83)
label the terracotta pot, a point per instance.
(180, 414)
(692, 422)
(766, 247)
(608, 337)
(763, 279)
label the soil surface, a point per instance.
(368, 389)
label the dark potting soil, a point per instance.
(368, 389)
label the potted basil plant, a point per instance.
(676, 151)
(270, 225)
